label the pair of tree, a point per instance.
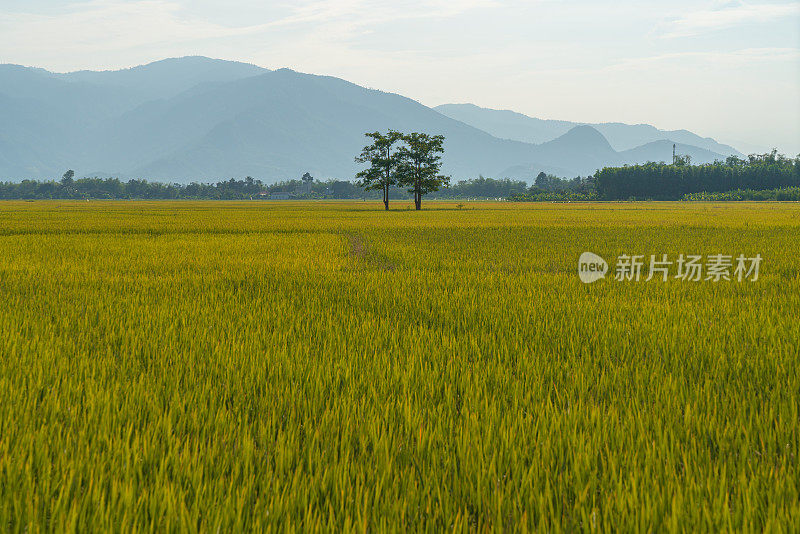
(405, 160)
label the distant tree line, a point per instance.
(781, 194)
(759, 177)
(660, 181)
(112, 188)
(305, 188)
(547, 187)
(481, 188)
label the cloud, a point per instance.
(364, 12)
(737, 58)
(94, 28)
(88, 27)
(727, 15)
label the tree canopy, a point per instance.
(382, 173)
(415, 164)
(660, 181)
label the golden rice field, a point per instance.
(250, 366)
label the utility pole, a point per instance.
(673, 153)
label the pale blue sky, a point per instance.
(725, 69)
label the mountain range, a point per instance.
(201, 119)
(507, 124)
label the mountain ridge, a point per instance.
(196, 119)
(509, 124)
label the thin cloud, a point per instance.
(363, 12)
(736, 57)
(726, 16)
(85, 27)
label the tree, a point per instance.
(383, 163)
(308, 181)
(421, 162)
(67, 179)
(341, 189)
(548, 182)
(683, 161)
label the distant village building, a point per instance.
(280, 195)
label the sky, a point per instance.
(723, 69)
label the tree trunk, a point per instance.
(417, 200)
(386, 197)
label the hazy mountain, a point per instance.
(201, 119)
(583, 147)
(662, 151)
(507, 124)
(511, 125)
(281, 124)
(52, 119)
(168, 77)
(580, 151)
(595, 152)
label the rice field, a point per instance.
(289, 366)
